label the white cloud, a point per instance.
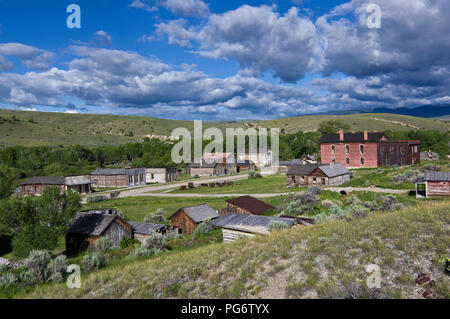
(104, 37)
(185, 8)
(30, 56)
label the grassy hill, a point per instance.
(326, 260)
(45, 128)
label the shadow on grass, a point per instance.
(5, 244)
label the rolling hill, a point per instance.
(45, 128)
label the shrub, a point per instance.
(56, 268)
(114, 195)
(253, 174)
(204, 228)
(157, 217)
(389, 203)
(93, 261)
(152, 245)
(327, 203)
(127, 242)
(353, 199)
(352, 174)
(336, 210)
(122, 215)
(371, 205)
(431, 167)
(275, 225)
(103, 244)
(357, 211)
(314, 190)
(8, 279)
(3, 268)
(97, 198)
(196, 176)
(37, 263)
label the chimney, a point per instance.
(341, 135)
(366, 136)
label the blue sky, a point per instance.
(222, 60)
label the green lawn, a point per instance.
(263, 185)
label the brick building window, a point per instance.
(347, 149)
(347, 160)
(402, 150)
(332, 149)
(361, 149)
(402, 161)
(333, 160)
(362, 160)
(382, 149)
(391, 149)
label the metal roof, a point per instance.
(251, 204)
(352, 137)
(333, 170)
(118, 171)
(199, 213)
(145, 228)
(44, 180)
(437, 176)
(249, 223)
(78, 180)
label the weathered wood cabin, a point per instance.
(187, 219)
(211, 169)
(247, 205)
(118, 177)
(235, 226)
(433, 184)
(161, 175)
(245, 166)
(281, 167)
(317, 175)
(142, 231)
(88, 227)
(35, 185)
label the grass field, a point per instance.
(325, 260)
(45, 128)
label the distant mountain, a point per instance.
(424, 111)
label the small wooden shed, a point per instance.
(187, 219)
(142, 230)
(118, 177)
(247, 205)
(433, 184)
(235, 226)
(161, 175)
(88, 227)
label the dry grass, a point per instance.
(304, 262)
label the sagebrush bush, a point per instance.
(204, 228)
(93, 261)
(103, 244)
(57, 268)
(158, 217)
(128, 242)
(37, 265)
(253, 174)
(96, 198)
(277, 225)
(3, 268)
(431, 167)
(8, 279)
(327, 203)
(114, 195)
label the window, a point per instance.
(391, 149)
(332, 149)
(387, 161)
(314, 181)
(362, 161)
(153, 175)
(402, 150)
(347, 160)
(333, 160)
(361, 149)
(322, 181)
(382, 149)
(347, 149)
(402, 161)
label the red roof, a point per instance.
(251, 204)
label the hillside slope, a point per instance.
(45, 128)
(302, 262)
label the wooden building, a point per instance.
(211, 169)
(317, 175)
(35, 185)
(141, 231)
(367, 149)
(311, 159)
(433, 184)
(187, 219)
(245, 166)
(247, 205)
(235, 226)
(281, 167)
(161, 175)
(88, 227)
(121, 177)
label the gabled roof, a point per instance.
(249, 223)
(334, 170)
(145, 228)
(78, 180)
(437, 176)
(198, 213)
(117, 171)
(251, 204)
(352, 137)
(91, 224)
(44, 180)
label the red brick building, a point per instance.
(367, 149)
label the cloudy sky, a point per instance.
(223, 60)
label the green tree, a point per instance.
(332, 126)
(7, 176)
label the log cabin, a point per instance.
(317, 175)
(247, 205)
(433, 184)
(187, 219)
(35, 185)
(88, 227)
(245, 166)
